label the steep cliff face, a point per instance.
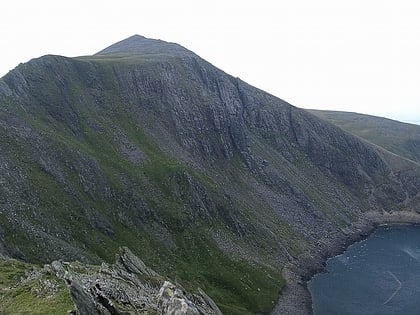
(146, 144)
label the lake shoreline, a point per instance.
(295, 297)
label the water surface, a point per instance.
(380, 275)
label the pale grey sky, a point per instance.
(361, 56)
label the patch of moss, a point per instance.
(20, 295)
(237, 286)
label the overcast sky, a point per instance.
(361, 56)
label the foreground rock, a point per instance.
(126, 287)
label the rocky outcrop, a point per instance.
(126, 260)
(172, 300)
(127, 287)
(4, 89)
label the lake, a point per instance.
(379, 275)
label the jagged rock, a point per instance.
(172, 301)
(4, 88)
(83, 302)
(57, 268)
(127, 287)
(130, 262)
(210, 302)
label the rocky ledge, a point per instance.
(126, 287)
(295, 297)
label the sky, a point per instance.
(358, 56)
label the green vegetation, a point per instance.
(236, 286)
(20, 294)
(400, 138)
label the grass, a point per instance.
(30, 297)
(235, 285)
(397, 137)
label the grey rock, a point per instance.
(127, 287)
(130, 262)
(4, 89)
(83, 302)
(57, 268)
(15, 83)
(172, 301)
(214, 308)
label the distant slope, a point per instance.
(398, 137)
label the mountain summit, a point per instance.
(139, 45)
(210, 181)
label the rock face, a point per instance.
(172, 300)
(126, 260)
(213, 181)
(127, 288)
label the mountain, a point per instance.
(400, 138)
(210, 181)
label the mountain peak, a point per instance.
(140, 45)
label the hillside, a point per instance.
(212, 182)
(400, 138)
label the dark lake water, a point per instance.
(380, 275)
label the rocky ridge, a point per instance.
(126, 287)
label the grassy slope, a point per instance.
(400, 138)
(19, 294)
